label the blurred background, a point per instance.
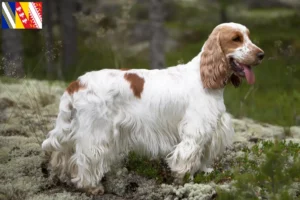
(79, 36)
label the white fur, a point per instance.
(175, 118)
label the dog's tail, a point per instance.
(64, 127)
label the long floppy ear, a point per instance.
(235, 80)
(213, 64)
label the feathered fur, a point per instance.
(177, 113)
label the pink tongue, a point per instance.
(249, 75)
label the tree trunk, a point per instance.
(49, 41)
(223, 14)
(12, 50)
(156, 16)
(69, 35)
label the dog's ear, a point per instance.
(235, 80)
(213, 65)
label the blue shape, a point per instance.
(4, 23)
(12, 6)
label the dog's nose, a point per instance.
(260, 55)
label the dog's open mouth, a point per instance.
(243, 70)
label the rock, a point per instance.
(61, 196)
(266, 131)
(295, 132)
(247, 129)
(294, 140)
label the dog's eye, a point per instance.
(237, 39)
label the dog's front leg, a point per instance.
(187, 156)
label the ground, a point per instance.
(264, 155)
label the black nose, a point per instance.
(260, 55)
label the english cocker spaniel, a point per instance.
(177, 113)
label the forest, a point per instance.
(78, 37)
(81, 36)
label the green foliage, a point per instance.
(155, 169)
(276, 89)
(216, 176)
(269, 179)
(104, 42)
(143, 166)
(106, 46)
(267, 170)
(9, 80)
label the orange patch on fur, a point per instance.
(74, 87)
(214, 65)
(136, 83)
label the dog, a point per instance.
(177, 113)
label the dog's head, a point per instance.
(229, 55)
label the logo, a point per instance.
(22, 15)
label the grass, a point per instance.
(9, 80)
(271, 13)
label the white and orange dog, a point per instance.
(177, 113)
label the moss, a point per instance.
(155, 169)
(60, 196)
(13, 132)
(21, 166)
(6, 103)
(4, 154)
(142, 165)
(215, 176)
(13, 141)
(45, 98)
(10, 193)
(26, 150)
(189, 191)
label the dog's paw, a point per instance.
(95, 191)
(207, 170)
(178, 178)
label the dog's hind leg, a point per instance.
(59, 141)
(94, 150)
